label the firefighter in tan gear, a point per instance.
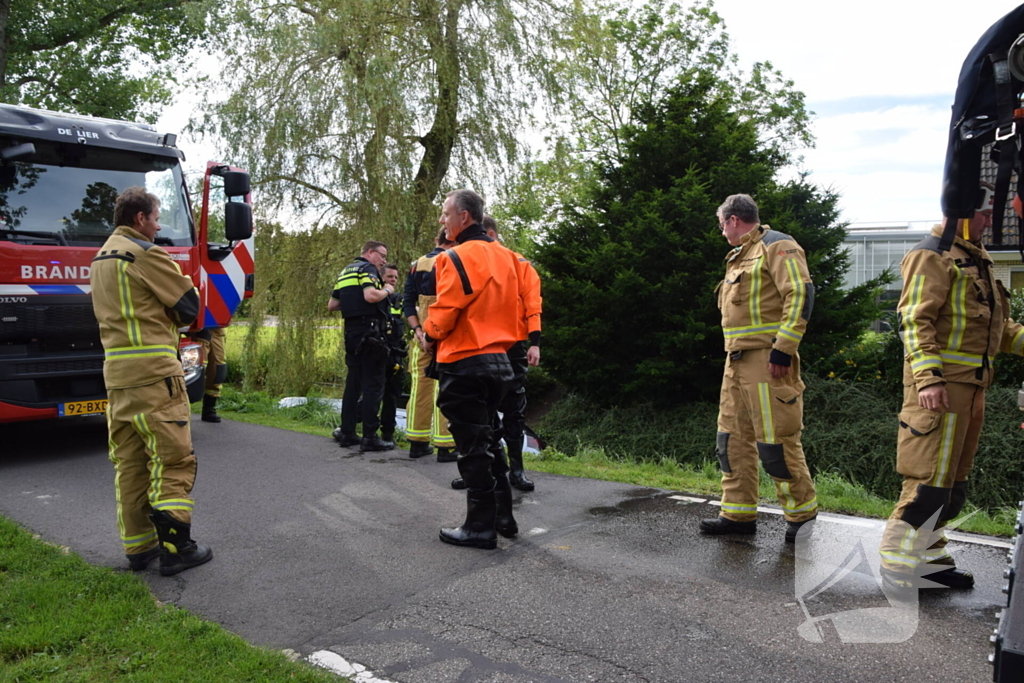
(425, 425)
(766, 300)
(954, 319)
(140, 299)
(216, 371)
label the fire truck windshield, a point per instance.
(65, 194)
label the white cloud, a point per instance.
(882, 73)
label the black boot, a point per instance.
(375, 443)
(793, 529)
(458, 483)
(504, 522)
(447, 454)
(516, 476)
(419, 449)
(478, 530)
(139, 561)
(721, 525)
(345, 439)
(951, 577)
(178, 551)
(210, 409)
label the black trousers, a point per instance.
(366, 367)
(513, 406)
(393, 377)
(469, 393)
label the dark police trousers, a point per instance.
(469, 393)
(512, 423)
(367, 364)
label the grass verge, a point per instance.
(835, 493)
(64, 620)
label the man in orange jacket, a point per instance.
(470, 327)
(524, 353)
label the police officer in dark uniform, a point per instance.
(393, 375)
(358, 294)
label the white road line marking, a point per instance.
(536, 531)
(688, 499)
(869, 523)
(332, 661)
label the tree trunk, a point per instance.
(5, 13)
(440, 139)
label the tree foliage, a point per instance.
(364, 109)
(630, 309)
(111, 58)
(611, 62)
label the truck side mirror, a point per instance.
(237, 221)
(26, 149)
(236, 183)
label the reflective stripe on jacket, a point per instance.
(767, 294)
(954, 315)
(140, 298)
(348, 290)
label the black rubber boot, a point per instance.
(504, 522)
(793, 529)
(178, 551)
(721, 525)
(478, 530)
(458, 484)
(447, 454)
(950, 577)
(419, 449)
(139, 561)
(345, 439)
(210, 409)
(375, 443)
(516, 476)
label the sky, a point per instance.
(879, 75)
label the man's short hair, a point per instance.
(391, 266)
(467, 200)
(130, 202)
(442, 238)
(742, 206)
(490, 224)
(371, 245)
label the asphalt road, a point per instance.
(323, 549)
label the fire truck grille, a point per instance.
(44, 367)
(25, 323)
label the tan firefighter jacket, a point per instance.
(954, 315)
(767, 295)
(140, 298)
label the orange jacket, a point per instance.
(478, 299)
(530, 301)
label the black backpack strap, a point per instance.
(1006, 142)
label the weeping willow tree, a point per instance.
(353, 116)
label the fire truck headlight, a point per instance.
(191, 361)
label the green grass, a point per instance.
(834, 493)
(63, 620)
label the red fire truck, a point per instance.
(59, 177)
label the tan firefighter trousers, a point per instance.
(424, 421)
(151, 448)
(215, 359)
(760, 418)
(935, 454)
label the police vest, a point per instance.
(348, 290)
